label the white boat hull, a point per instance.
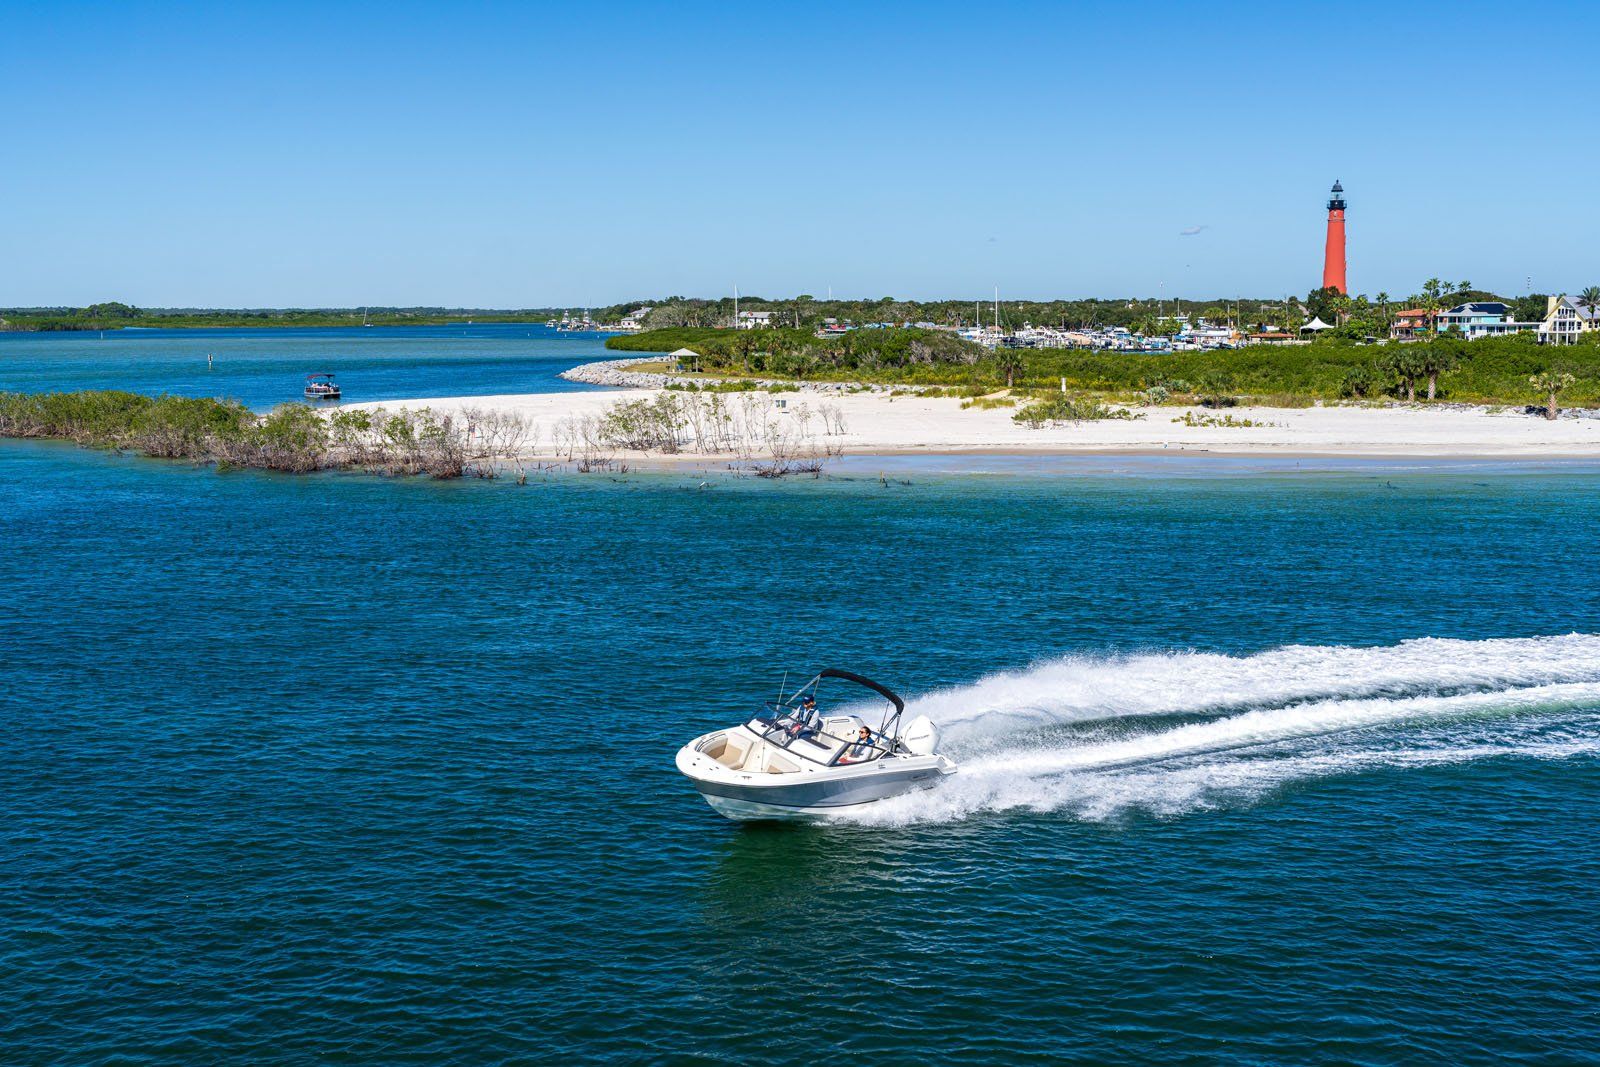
(808, 793)
(757, 811)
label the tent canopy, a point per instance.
(1316, 324)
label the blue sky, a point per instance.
(531, 155)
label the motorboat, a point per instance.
(794, 761)
(321, 386)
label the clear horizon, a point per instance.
(518, 157)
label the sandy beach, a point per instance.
(880, 424)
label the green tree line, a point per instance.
(115, 315)
(1492, 370)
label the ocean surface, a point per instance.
(1259, 764)
(266, 367)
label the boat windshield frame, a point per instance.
(785, 722)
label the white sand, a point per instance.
(876, 424)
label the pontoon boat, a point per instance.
(793, 760)
(321, 386)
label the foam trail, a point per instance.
(1203, 785)
(1083, 688)
(1272, 725)
(1246, 753)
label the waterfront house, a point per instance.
(1410, 325)
(1481, 318)
(634, 320)
(754, 320)
(1566, 319)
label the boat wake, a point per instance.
(1099, 737)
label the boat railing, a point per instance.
(785, 731)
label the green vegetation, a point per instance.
(1189, 418)
(896, 355)
(292, 438)
(667, 340)
(1354, 316)
(1058, 409)
(988, 403)
(111, 316)
(1491, 370)
(810, 314)
(1551, 384)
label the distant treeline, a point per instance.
(1355, 315)
(1494, 370)
(802, 354)
(115, 315)
(809, 313)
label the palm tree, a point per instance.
(1383, 306)
(1403, 366)
(1591, 296)
(1009, 360)
(1341, 309)
(1551, 384)
(746, 344)
(1439, 356)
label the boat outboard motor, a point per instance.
(920, 737)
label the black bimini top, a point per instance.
(882, 690)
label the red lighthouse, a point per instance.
(1333, 256)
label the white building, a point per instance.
(1566, 318)
(1480, 318)
(634, 320)
(754, 320)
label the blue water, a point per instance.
(265, 367)
(1259, 765)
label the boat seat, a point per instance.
(732, 752)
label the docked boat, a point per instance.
(794, 761)
(321, 386)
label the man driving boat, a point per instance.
(804, 724)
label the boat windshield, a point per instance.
(828, 740)
(797, 725)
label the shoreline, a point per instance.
(829, 423)
(681, 459)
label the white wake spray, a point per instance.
(1085, 688)
(1279, 716)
